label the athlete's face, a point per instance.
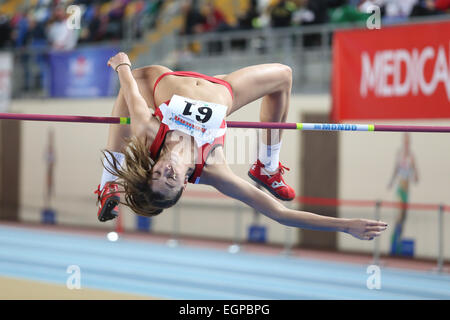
(168, 176)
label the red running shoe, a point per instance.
(108, 200)
(274, 183)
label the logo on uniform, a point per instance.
(277, 184)
(187, 124)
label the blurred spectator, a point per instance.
(36, 32)
(101, 20)
(347, 13)
(318, 13)
(152, 10)
(5, 31)
(425, 8)
(215, 20)
(108, 19)
(398, 10)
(320, 8)
(95, 29)
(281, 13)
(42, 24)
(442, 5)
(193, 18)
(134, 12)
(36, 40)
(20, 28)
(114, 22)
(250, 19)
(59, 36)
(193, 21)
(364, 5)
(303, 15)
(208, 18)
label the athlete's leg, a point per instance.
(272, 83)
(274, 108)
(396, 239)
(404, 198)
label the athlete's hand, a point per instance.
(118, 59)
(365, 229)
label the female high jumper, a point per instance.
(405, 171)
(177, 134)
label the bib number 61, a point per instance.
(204, 113)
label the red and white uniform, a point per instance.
(205, 121)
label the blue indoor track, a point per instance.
(156, 270)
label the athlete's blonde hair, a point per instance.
(134, 177)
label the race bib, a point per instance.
(200, 119)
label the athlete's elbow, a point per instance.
(280, 215)
(285, 221)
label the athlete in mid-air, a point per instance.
(177, 134)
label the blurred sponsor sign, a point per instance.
(257, 233)
(397, 72)
(6, 65)
(82, 73)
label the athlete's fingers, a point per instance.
(376, 228)
(376, 223)
(372, 234)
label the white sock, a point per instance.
(107, 176)
(269, 155)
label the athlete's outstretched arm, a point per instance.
(137, 106)
(224, 180)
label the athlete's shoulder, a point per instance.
(216, 169)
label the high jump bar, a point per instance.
(237, 124)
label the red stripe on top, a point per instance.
(194, 75)
(155, 148)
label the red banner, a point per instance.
(397, 72)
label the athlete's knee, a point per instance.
(280, 78)
(286, 73)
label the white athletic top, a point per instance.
(202, 120)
